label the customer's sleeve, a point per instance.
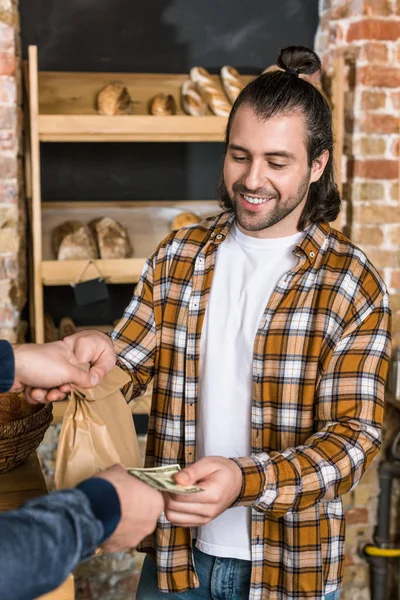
(45, 539)
(7, 368)
(348, 412)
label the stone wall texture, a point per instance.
(12, 201)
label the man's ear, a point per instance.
(318, 166)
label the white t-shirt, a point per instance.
(246, 273)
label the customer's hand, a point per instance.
(47, 370)
(141, 505)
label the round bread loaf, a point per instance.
(185, 219)
(72, 240)
(112, 238)
(114, 99)
(162, 105)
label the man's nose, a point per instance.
(255, 177)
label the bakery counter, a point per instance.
(16, 487)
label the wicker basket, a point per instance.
(19, 439)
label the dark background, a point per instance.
(167, 36)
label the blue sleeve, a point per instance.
(45, 539)
(7, 371)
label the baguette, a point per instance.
(162, 105)
(193, 99)
(216, 99)
(114, 99)
(231, 82)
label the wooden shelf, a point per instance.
(147, 222)
(67, 110)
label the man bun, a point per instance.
(299, 59)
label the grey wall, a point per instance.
(160, 36)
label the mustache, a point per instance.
(239, 188)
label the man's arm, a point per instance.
(44, 540)
(349, 413)
(135, 336)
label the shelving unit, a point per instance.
(62, 109)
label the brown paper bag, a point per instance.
(97, 432)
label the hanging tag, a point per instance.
(91, 291)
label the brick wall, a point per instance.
(368, 32)
(12, 204)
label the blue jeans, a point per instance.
(220, 579)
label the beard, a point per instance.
(256, 222)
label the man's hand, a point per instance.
(141, 506)
(221, 480)
(47, 370)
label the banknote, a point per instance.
(162, 479)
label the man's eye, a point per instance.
(277, 166)
(239, 158)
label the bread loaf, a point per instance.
(72, 240)
(193, 99)
(216, 99)
(162, 105)
(112, 238)
(114, 99)
(14, 407)
(184, 220)
(231, 82)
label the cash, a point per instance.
(162, 479)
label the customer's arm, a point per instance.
(44, 540)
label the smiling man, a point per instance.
(267, 335)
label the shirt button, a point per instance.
(219, 237)
(312, 254)
(213, 234)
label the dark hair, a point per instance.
(279, 91)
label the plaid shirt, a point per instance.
(319, 367)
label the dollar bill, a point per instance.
(162, 479)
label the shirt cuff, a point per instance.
(253, 480)
(104, 501)
(7, 363)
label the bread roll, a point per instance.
(231, 82)
(72, 240)
(193, 99)
(162, 105)
(14, 407)
(184, 220)
(112, 238)
(114, 99)
(66, 327)
(50, 329)
(216, 99)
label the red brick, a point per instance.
(374, 52)
(383, 259)
(7, 37)
(356, 515)
(8, 91)
(8, 167)
(375, 76)
(370, 146)
(394, 235)
(373, 169)
(367, 236)
(394, 280)
(7, 64)
(9, 192)
(395, 147)
(379, 8)
(375, 214)
(378, 123)
(373, 100)
(395, 98)
(374, 29)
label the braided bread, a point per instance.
(231, 82)
(193, 99)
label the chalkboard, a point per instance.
(157, 36)
(167, 36)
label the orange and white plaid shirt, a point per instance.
(319, 367)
